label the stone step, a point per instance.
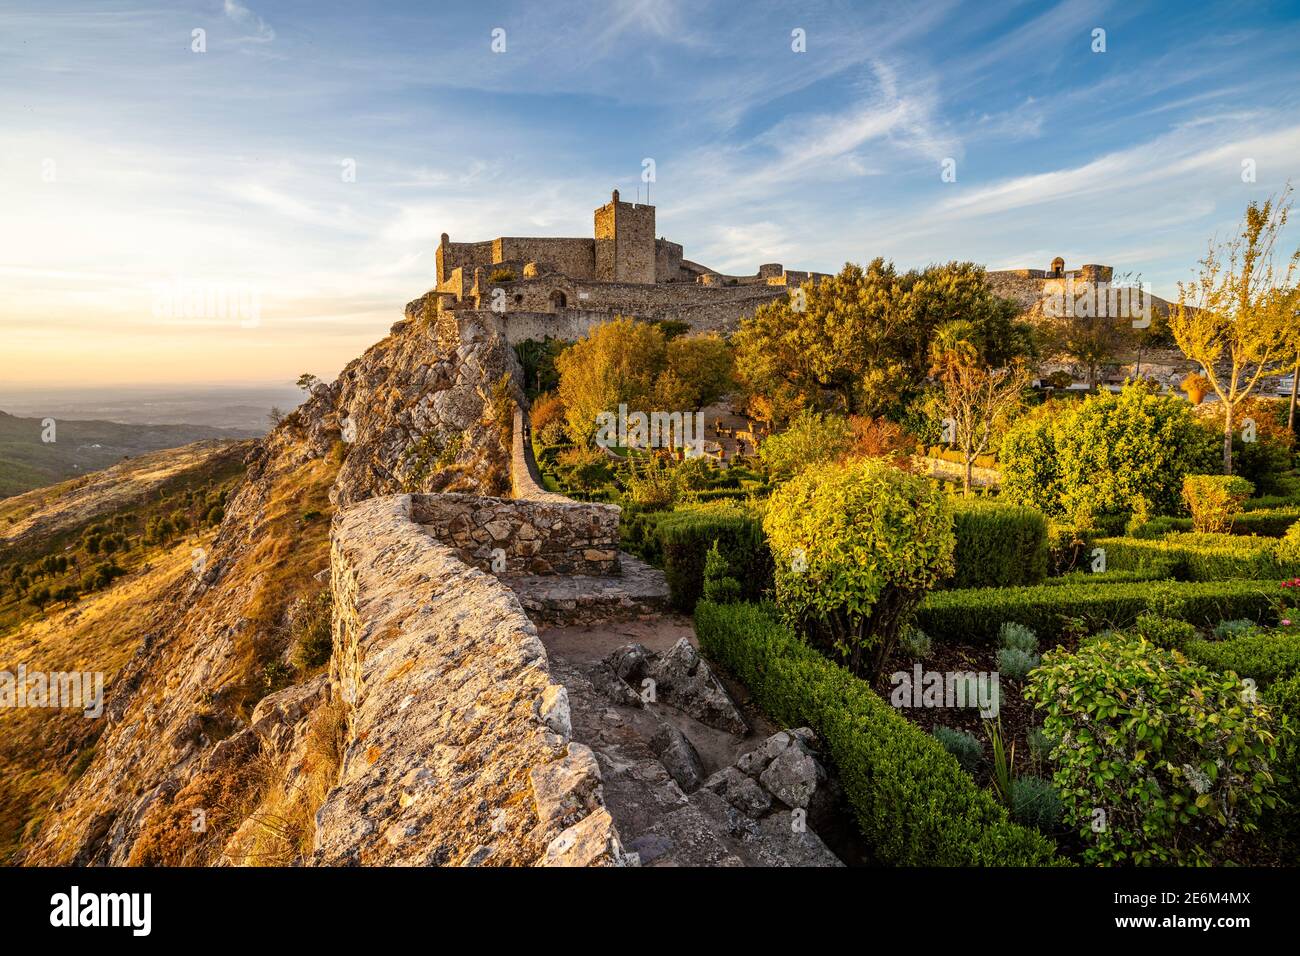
(584, 598)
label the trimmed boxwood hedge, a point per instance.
(1264, 657)
(684, 538)
(974, 616)
(998, 545)
(1267, 523)
(913, 802)
(1194, 557)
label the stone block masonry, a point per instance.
(459, 749)
(515, 536)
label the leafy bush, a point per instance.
(1102, 455)
(685, 537)
(1215, 500)
(1288, 549)
(1281, 825)
(1015, 636)
(1173, 755)
(998, 545)
(1035, 803)
(1163, 632)
(963, 745)
(975, 616)
(856, 547)
(810, 439)
(310, 632)
(501, 276)
(1015, 664)
(913, 802)
(719, 586)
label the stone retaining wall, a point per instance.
(459, 749)
(519, 536)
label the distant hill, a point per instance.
(80, 447)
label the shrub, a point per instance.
(1035, 803)
(685, 537)
(719, 586)
(1163, 632)
(913, 803)
(998, 545)
(809, 439)
(501, 276)
(1215, 500)
(915, 642)
(1281, 825)
(1106, 453)
(1015, 636)
(1015, 664)
(1198, 557)
(1173, 754)
(310, 632)
(963, 745)
(975, 616)
(1263, 656)
(856, 547)
(1288, 549)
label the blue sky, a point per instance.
(128, 160)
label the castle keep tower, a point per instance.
(625, 242)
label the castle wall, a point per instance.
(459, 746)
(573, 257)
(462, 255)
(668, 262)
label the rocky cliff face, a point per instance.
(215, 747)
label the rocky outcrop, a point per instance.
(680, 678)
(419, 414)
(459, 749)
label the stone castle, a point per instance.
(561, 287)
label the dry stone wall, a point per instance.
(511, 536)
(459, 747)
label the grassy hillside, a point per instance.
(80, 447)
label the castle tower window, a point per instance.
(559, 300)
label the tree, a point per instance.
(307, 381)
(700, 371)
(1237, 317)
(979, 403)
(859, 342)
(275, 416)
(1105, 455)
(856, 547)
(617, 362)
(1094, 341)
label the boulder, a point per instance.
(678, 756)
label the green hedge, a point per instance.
(998, 545)
(1198, 557)
(1272, 660)
(1266, 522)
(1264, 657)
(913, 802)
(974, 616)
(684, 538)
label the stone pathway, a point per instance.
(671, 780)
